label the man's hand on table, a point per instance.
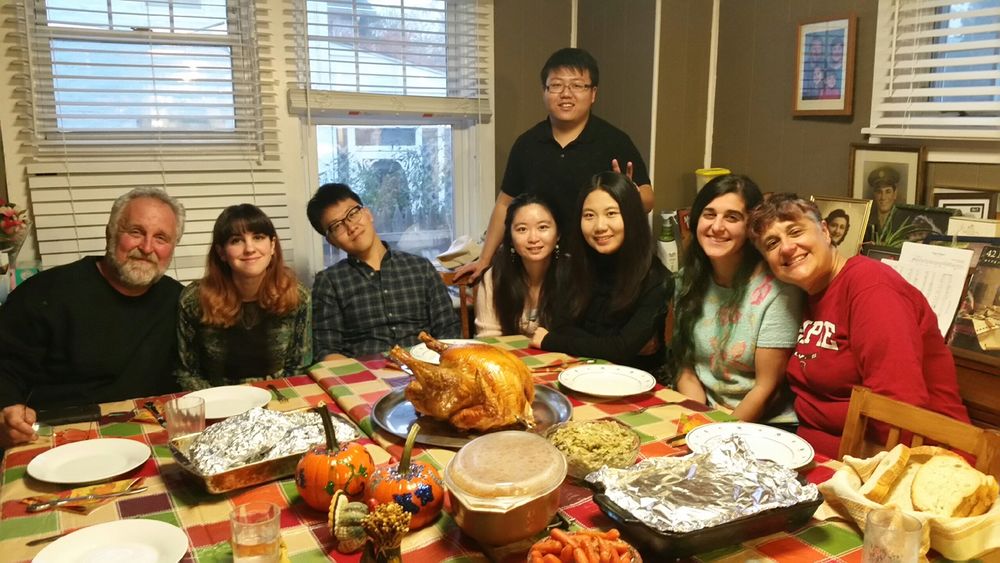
(15, 425)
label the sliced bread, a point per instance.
(876, 488)
(947, 485)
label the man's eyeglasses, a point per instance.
(338, 226)
(574, 87)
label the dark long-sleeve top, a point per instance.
(259, 346)
(617, 337)
(69, 338)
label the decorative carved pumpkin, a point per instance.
(324, 470)
(413, 485)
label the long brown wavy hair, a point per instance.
(220, 301)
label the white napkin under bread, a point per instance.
(948, 484)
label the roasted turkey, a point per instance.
(476, 386)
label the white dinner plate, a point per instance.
(765, 442)
(425, 354)
(88, 461)
(121, 541)
(607, 380)
(231, 400)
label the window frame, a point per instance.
(245, 138)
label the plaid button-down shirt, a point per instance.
(359, 311)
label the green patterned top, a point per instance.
(259, 346)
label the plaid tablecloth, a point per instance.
(357, 385)
(172, 495)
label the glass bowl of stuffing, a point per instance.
(591, 444)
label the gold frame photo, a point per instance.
(846, 219)
(824, 67)
(874, 168)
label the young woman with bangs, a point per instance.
(616, 305)
(518, 292)
(249, 318)
(735, 324)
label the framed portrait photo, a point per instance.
(921, 221)
(824, 67)
(886, 175)
(968, 203)
(845, 219)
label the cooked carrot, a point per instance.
(563, 537)
(612, 534)
(614, 557)
(580, 556)
(591, 548)
(626, 557)
(551, 558)
(620, 546)
(536, 557)
(548, 546)
(605, 549)
(566, 555)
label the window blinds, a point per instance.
(411, 57)
(143, 76)
(937, 70)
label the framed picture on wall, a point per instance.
(824, 67)
(968, 203)
(886, 175)
(845, 219)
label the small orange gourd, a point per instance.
(413, 485)
(324, 470)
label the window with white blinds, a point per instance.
(937, 70)
(391, 56)
(143, 76)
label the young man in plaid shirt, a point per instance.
(376, 297)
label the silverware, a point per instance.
(151, 407)
(281, 398)
(46, 539)
(59, 502)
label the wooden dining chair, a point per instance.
(466, 299)
(923, 424)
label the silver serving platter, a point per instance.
(395, 414)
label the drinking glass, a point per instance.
(891, 536)
(185, 415)
(256, 532)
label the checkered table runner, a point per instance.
(172, 497)
(357, 385)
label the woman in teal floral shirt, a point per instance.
(249, 318)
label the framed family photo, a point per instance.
(824, 67)
(921, 220)
(846, 220)
(968, 203)
(886, 175)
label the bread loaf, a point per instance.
(889, 470)
(947, 485)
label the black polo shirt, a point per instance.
(537, 163)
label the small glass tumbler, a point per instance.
(256, 532)
(891, 537)
(185, 415)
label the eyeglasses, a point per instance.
(338, 226)
(575, 87)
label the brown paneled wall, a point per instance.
(755, 132)
(685, 44)
(527, 32)
(620, 36)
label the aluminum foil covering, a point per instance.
(260, 434)
(683, 494)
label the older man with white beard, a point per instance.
(99, 329)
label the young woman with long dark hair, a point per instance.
(518, 293)
(616, 306)
(248, 318)
(735, 324)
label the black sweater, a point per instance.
(617, 337)
(68, 338)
